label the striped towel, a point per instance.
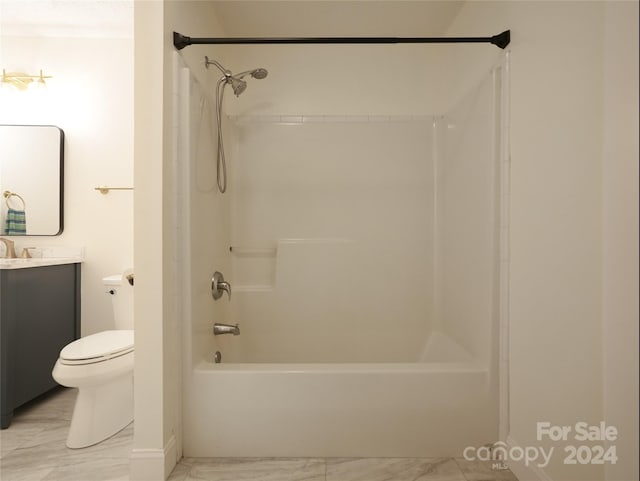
(16, 223)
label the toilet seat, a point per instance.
(98, 347)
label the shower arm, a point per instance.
(225, 72)
(243, 74)
(228, 75)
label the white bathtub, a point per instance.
(338, 410)
(343, 349)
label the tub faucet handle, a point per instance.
(218, 285)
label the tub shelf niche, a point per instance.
(253, 252)
(254, 268)
(257, 269)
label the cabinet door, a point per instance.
(46, 321)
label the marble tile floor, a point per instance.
(33, 449)
(334, 469)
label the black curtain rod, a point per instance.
(181, 41)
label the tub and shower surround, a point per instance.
(345, 205)
(363, 255)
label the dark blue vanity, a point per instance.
(39, 315)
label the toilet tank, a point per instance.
(121, 292)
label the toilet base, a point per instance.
(101, 411)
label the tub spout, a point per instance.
(226, 329)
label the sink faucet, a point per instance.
(225, 329)
(9, 248)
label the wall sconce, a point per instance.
(22, 81)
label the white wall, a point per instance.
(339, 79)
(158, 244)
(90, 97)
(557, 125)
(620, 235)
(152, 452)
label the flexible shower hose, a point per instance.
(221, 164)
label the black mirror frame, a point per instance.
(61, 176)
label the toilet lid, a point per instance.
(98, 347)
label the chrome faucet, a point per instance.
(9, 248)
(225, 329)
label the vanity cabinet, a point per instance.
(39, 315)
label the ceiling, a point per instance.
(61, 18)
(114, 18)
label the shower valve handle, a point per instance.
(218, 285)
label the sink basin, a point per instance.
(22, 263)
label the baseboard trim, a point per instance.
(522, 471)
(153, 464)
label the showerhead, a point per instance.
(238, 85)
(260, 73)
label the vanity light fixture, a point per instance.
(22, 81)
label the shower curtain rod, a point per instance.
(181, 41)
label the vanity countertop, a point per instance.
(22, 263)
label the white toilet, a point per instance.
(101, 367)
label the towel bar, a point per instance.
(105, 190)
